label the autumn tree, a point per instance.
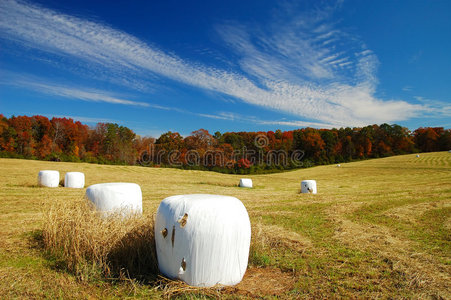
(41, 129)
(427, 139)
(23, 135)
(6, 135)
(66, 139)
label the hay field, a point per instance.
(376, 228)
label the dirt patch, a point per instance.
(257, 283)
(260, 282)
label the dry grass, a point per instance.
(376, 229)
(273, 236)
(174, 288)
(93, 247)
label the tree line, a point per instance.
(63, 139)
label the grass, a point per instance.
(376, 229)
(93, 248)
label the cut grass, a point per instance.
(428, 227)
(376, 229)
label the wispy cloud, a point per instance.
(253, 119)
(72, 92)
(435, 108)
(297, 124)
(304, 66)
(85, 95)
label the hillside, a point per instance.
(376, 228)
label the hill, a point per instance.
(376, 228)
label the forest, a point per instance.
(63, 139)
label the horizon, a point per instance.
(228, 67)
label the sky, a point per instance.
(254, 65)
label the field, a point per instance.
(376, 229)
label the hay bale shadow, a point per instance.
(134, 255)
(35, 239)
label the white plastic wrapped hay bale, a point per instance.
(116, 197)
(338, 165)
(246, 182)
(203, 239)
(49, 178)
(418, 155)
(308, 186)
(74, 180)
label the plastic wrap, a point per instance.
(203, 239)
(74, 180)
(116, 197)
(308, 186)
(246, 182)
(49, 178)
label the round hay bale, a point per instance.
(246, 182)
(308, 186)
(203, 239)
(49, 178)
(418, 155)
(116, 197)
(338, 165)
(74, 180)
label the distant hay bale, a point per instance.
(308, 186)
(74, 180)
(49, 178)
(203, 239)
(116, 197)
(418, 155)
(338, 165)
(246, 182)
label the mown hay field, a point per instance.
(376, 229)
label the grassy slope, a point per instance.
(377, 228)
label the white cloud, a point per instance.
(217, 117)
(86, 95)
(297, 124)
(297, 67)
(79, 93)
(252, 119)
(435, 108)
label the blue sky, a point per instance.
(156, 66)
